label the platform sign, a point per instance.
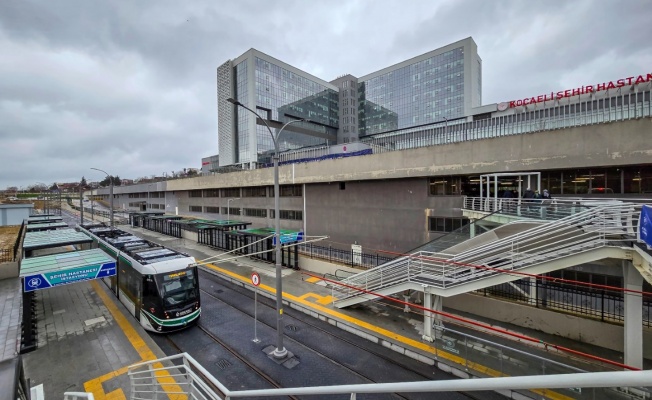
(356, 253)
(62, 277)
(255, 278)
(289, 238)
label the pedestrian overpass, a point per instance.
(535, 238)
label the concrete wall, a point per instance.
(391, 215)
(610, 336)
(385, 203)
(9, 270)
(608, 144)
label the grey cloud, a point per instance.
(130, 87)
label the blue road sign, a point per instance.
(289, 238)
(62, 277)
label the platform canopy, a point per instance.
(46, 226)
(60, 269)
(41, 219)
(55, 238)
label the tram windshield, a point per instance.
(178, 287)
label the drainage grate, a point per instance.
(223, 364)
(292, 328)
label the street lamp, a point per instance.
(280, 351)
(110, 195)
(228, 209)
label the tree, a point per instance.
(107, 181)
(83, 183)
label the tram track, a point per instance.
(234, 299)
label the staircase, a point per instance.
(595, 233)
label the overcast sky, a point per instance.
(130, 86)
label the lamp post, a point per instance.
(228, 208)
(280, 351)
(110, 195)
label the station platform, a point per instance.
(86, 340)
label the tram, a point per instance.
(159, 286)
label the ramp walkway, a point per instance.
(598, 232)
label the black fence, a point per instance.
(9, 255)
(601, 304)
(349, 258)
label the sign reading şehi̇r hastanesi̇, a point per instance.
(55, 278)
(632, 80)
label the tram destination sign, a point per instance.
(62, 277)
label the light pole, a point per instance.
(110, 195)
(280, 351)
(228, 209)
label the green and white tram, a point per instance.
(159, 286)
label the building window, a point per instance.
(288, 191)
(195, 209)
(231, 192)
(254, 192)
(255, 212)
(213, 210)
(230, 211)
(444, 185)
(446, 224)
(294, 215)
(212, 193)
(195, 193)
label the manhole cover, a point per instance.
(292, 328)
(223, 364)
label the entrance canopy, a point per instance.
(59, 269)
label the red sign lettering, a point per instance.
(632, 80)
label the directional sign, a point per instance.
(289, 238)
(255, 278)
(61, 277)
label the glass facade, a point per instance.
(242, 116)
(420, 93)
(633, 180)
(282, 95)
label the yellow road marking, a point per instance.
(319, 299)
(312, 279)
(384, 332)
(146, 354)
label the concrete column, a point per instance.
(633, 280)
(427, 316)
(472, 228)
(431, 302)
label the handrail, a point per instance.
(196, 382)
(595, 227)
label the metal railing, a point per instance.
(600, 304)
(345, 257)
(593, 228)
(181, 375)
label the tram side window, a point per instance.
(129, 283)
(150, 293)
